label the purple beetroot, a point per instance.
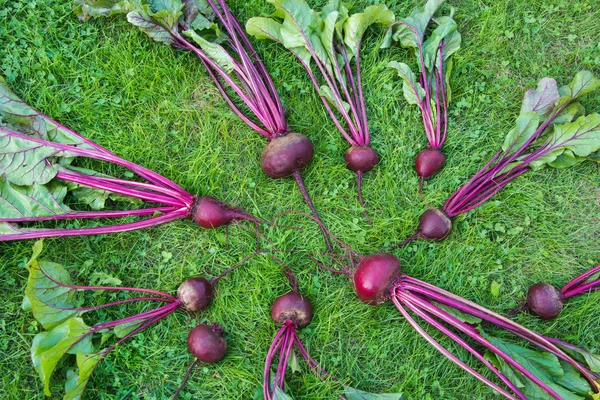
(546, 302)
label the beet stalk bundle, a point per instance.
(431, 90)
(53, 299)
(546, 368)
(209, 30)
(552, 130)
(546, 302)
(331, 39)
(38, 175)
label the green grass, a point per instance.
(156, 107)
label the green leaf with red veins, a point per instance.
(411, 32)
(158, 26)
(412, 89)
(542, 99)
(357, 24)
(526, 126)
(355, 394)
(34, 200)
(49, 302)
(446, 28)
(49, 347)
(20, 117)
(77, 379)
(84, 9)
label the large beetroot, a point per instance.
(430, 91)
(330, 40)
(552, 130)
(39, 177)
(210, 31)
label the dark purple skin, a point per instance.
(209, 212)
(207, 343)
(195, 294)
(374, 277)
(361, 158)
(286, 154)
(292, 306)
(434, 224)
(429, 162)
(544, 301)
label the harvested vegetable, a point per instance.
(544, 301)
(41, 181)
(292, 311)
(331, 39)
(56, 303)
(210, 31)
(552, 130)
(547, 367)
(431, 90)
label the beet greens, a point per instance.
(57, 304)
(39, 177)
(209, 30)
(552, 130)
(431, 90)
(331, 39)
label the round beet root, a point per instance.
(544, 301)
(286, 154)
(292, 306)
(195, 294)
(361, 158)
(429, 162)
(374, 277)
(434, 224)
(209, 212)
(207, 343)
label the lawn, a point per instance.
(156, 107)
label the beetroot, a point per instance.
(429, 162)
(209, 213)
(375, 276)
(434, 224)
(285, 154)
(361, 158)
(292, 306)
(195, 294)
(207, 343)
(544, 301)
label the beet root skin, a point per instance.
(294, 307)
(210, 213)
(434, 224)
(285, 154)
(195, 294)
(544, 301)
(207, 343)
(429, 162)
(361, 158)
(374, 277)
